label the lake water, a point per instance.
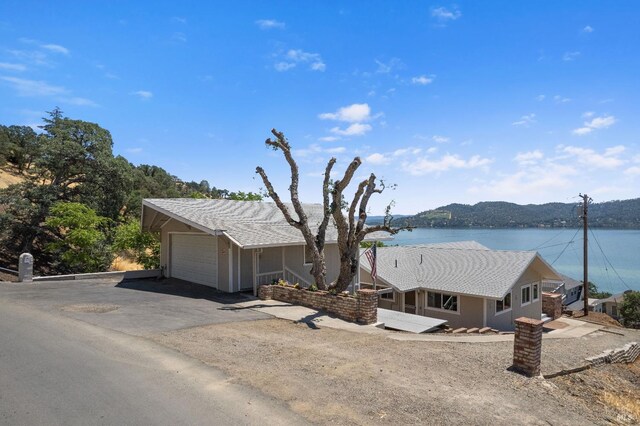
(560, 247)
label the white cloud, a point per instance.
(351, 114)
(378, 159)
(587, 29)
(179, 37)
(179, 19)
(443, 14)
(328, 139)
(269, 24)
(134, 150)
(79, 101)
(440, 139)
(387, 67)
(608, 160)
(283, 66)
(431, 150)
(525, 120)
(422, 80)
(313, 59)
(570, 56)
(588, 114)
(561, 99)
(12, 67)
(543, 180)
(56, 48)
(26, 87)
(597, 123)
(530, 157)
(448, 162)
(143, 94)
(540, 98)
(336, 150)
(355, 129)
(633, 171)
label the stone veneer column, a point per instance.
(527, 346)
(367, 306)
(552, 304)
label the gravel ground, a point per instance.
(8, 277)
(336, 376)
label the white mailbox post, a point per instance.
(25, 268)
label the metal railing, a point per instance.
(9, 271)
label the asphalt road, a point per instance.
(56, 369)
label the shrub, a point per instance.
(313, 287)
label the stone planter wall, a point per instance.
(552, 304)
(361, 308)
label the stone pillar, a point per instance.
(25, 268)
(367, 311)
(552, 304)
(527, 346)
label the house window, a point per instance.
(447, 302)
(526, 295)
(390, 296)
(536, 292)
(504, 304)
(308, 256)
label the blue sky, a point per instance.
(453, 102)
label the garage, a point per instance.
(194, 258)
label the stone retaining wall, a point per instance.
(552, 304)
(527, 346)
(627, 354)
(361, 308)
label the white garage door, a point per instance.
(195, 258)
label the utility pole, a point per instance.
(585, 255)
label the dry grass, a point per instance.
(626, 402)
(9, 177)
(123, 264)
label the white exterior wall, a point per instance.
(505, 320)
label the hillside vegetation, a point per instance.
(499, 214)
(65, 198)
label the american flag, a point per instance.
(371, 257)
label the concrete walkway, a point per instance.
(571, 328)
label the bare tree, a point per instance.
(351, 231)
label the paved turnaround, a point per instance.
(58, 370)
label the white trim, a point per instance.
(522, 302)
(230, 267)
(536, 298)
(253, 271)
(283, 265)
(239, 268)
(495, 307)
(429, 308)
(223, 232)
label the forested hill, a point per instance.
(499, 214)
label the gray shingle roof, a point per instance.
(464, 267)
(249, 223)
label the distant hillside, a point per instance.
(623, 214)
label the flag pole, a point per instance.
(375, 263)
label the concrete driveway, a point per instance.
(136, 307)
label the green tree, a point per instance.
(594, 293)
(79, 242)
(75, 163)
(630, 309)
(132, 242)
(19, 145)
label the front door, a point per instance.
(410, 302)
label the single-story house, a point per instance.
(570, 289)
(465, 283)
(235, 245)
(610, 305)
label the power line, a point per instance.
(607, 259)
(567, 246)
